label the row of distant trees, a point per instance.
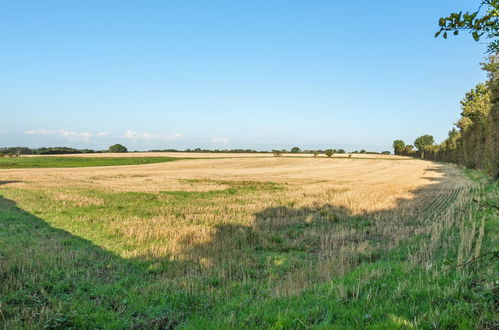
(201, 150)
(474, 141)
(327, 152)
(294, 150)
(418, 149)
(16, 151)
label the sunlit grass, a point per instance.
(44, 162)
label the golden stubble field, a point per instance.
(208, 155)
(243, 218)
(369, 184)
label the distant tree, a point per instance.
(277, 153)
(316, 153)
(117, 148)
(10, 154)
(2, 154)
(362, 151)
(398, 147)
(341, 151)
(385, 152)
(329, 152)
(486, 24)
(295, 150)
(409, 150)
(424, 141)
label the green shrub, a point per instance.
(118, 148)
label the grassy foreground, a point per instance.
(46, 162)
(55, 273)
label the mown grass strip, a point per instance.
(56, 162)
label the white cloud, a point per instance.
(174, 137)
(40, 132)
(220, 140)
(146, 136)
(70, 135)
(102, 134)
(136, 135)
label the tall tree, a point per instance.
(398, 147)
(424, 141)
(476, 144)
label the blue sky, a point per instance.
(230, 74)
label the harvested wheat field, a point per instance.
(200, 243)
(180, 154)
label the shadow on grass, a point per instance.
(52, 279)
(314, 234)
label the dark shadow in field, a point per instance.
(78, 267)
(7, 182)
(30, 237)
(43, 268)
(281, 229)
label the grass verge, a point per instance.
(48, 162)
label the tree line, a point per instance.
(474, 140)
(119, 148)
(17, 151)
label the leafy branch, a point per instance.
(477, 23)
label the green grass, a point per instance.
(47, 162)
(55, 272)
(59, 162)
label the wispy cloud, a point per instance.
(148, 136)
(40, 132)
(137, 135)
(174, 137)
(100, 134)
(70, 135)
(220, 140)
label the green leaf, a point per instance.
(441, 21)
(456, 32)
(445, 35)
(475, 35)
(437, 34)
